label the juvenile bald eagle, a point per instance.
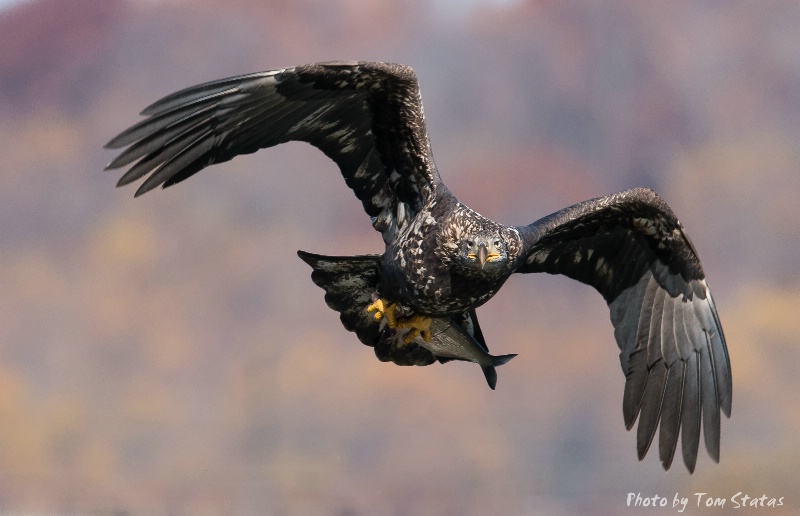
(442, 260)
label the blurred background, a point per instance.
(170, 355)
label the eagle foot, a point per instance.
(420, 327)
(384, 310)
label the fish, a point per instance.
(457, 338)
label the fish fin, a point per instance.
(489, 371)
(477, 334)
(491, 376)
(502, 359)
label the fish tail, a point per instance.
(489, 371)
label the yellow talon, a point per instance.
(420, 326)
(383, 308)
(376, 307)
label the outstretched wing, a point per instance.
(367, 117)
(632, 249)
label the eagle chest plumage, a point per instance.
(418, 270)
(412, 273)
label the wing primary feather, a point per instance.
(186, 172)
(708, 388)
(142, 168)
(160, 156)
(203, 91)
(690, 412)
(669, 348)
(635, 383)
(652, 402)
(151, 125)
(646, 313)
(654, 342)
(721, 362)
(671, 413)
(636, 375)
(626, 312)
(162, 136)
(196, 148)
(683, 340)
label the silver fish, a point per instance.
(452, 338)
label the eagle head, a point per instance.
(476, 246)
(485, 251)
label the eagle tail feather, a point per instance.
(349, 283)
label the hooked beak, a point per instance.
(483, 253)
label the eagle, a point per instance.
(443, 260)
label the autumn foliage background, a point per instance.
(170, 355)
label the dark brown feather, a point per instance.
(634, 251)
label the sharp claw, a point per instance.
(383, 308)
(376, 307)
(420, 327)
